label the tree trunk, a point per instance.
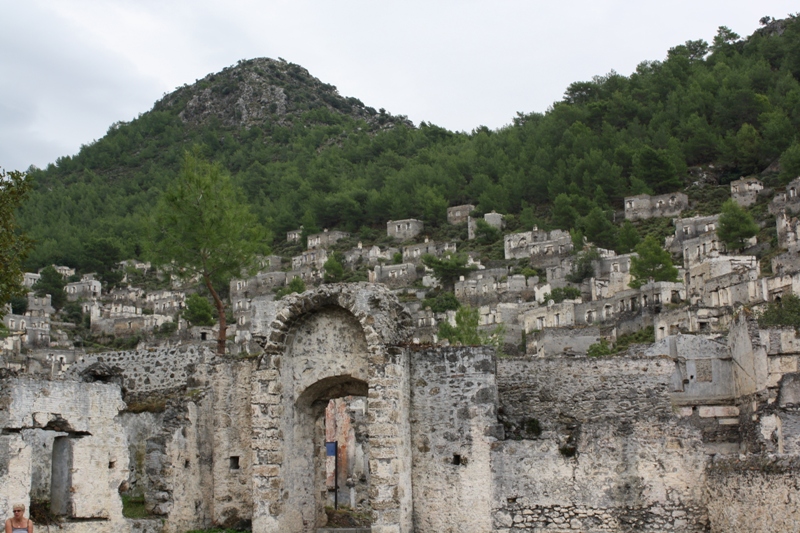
(223, 326)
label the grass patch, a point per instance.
(133, 507)
(707, 200)
(604, 348)
(346, 517)
(660, 228)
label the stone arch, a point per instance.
(332, 341)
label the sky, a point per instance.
(69, 69)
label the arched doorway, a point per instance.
(335, 342)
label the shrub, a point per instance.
(445, 301)
(560, 294)
(198, 311)
(297, 285)
(583, 268)
(785, 312)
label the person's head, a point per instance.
(19, 509)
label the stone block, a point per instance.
(718, 411)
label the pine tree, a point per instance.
(736, 226)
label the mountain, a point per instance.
(306, 155)
(264, 91)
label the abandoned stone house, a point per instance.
(313, 258)
(786, 262)
(690, 228)
(612, 274)
(29, 278)
(86, 288)
(270, 263)
(370, 255)
(33, 331)
(394, 276)
(644, 206)
(459, 214)
(788, 229)
(326, 238)
(295, 235)
(542, 247)
(165, 302)
(404, 230)
(65, 271)
(691, 434)
(744, 191)
(788, 200)
(493, 219)
(142, 266)
(706, 277)
(490, 287)
(700, 249)
(413, 253)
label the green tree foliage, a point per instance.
(583, 266)
(327, 161)
(102, 256)
(198, 311)
(628, 238)
(297, 285)
(19, 304)
(334, 271)
(448, 269)
(651, 261)
(13, 245)
(52, 283)
(444, 301)
(559, 294)
(466, 331)
(203, 228)
(600, 349)
(603, 348)
(166, 329)
(598, 229)
(736, 226)
(790, 163)
(73, 312)
(486, 234)
(785, 312)
(657, 170)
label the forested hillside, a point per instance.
(305, 155)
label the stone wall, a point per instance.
(339, 340)
(199, 465)
(594, 447)
(149, 370)
(94, 459)
(457, 385)
(754, 494)
(644, 206)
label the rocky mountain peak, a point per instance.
(256, 91)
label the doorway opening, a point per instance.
(346, 462)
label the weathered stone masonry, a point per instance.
(458, 440)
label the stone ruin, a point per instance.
(691, 434)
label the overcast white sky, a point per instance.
(71, 68)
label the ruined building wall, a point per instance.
(755, 494)
(92, 458)
(149, 370)
(198, 466)
(594, 446)
(456, 385)
(335, 341)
